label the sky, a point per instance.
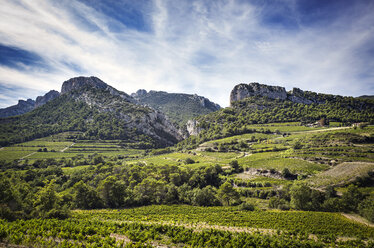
(202, 47)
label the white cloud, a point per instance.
(203, 47)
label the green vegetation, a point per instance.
(178, 107)
(84, 180)
(240, 117)
(67, 113)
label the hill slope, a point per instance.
(178, 107)
(97, 110)
(258, 104)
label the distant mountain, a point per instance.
(26, 106)
(371, 97)
(256, 103)
(98, 111)
(178, 107)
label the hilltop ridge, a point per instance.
(296, 95)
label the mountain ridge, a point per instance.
(96, 109)
(23, 106)
(179, 107)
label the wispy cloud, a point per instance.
(203, 47)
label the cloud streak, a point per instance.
(203, 47)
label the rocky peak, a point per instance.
(296, 95)
(139, 93)
(79, 83)
(41, 100)
(242, 91)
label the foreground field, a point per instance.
(179, 226)
(257, 182)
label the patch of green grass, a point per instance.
(273, 160)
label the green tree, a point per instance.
(227, 194)
(366, 208)
(86, 197)
(112, 191)
(47, 203)
(205, 196)
(351, 198)
(301, 197)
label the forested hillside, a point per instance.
(261, 110)
(98, 113)
(178, 107)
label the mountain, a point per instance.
(97, 111)
(26, 106)
(178, 107)
(369, 97)
(256, 103)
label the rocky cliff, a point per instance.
(26, 106)
(296, 95)
(81, 83)
(41, 100)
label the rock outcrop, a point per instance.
(242, 91)
(296, 95)
(41, 100)
(26, 106)
(192, 127)
(79, 83)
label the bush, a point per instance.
(189, 161)
(246, 206)
(366, 208)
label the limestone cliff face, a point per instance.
(242, 91)
(192, 127)
(41, 100)
(79, 83)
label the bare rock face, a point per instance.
(242, 91)
(296, 95)
(79, 83)
(41, 100)
(192, 127)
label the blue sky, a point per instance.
(203, 47)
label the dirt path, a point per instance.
(67, 147)
(321, 130)
(358, 218)
(201, 226)
(28, 155)
(1, 148)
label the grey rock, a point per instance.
(41, 100)
(242, 91)
(192, 127)
(296, 95)
(80, 83)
